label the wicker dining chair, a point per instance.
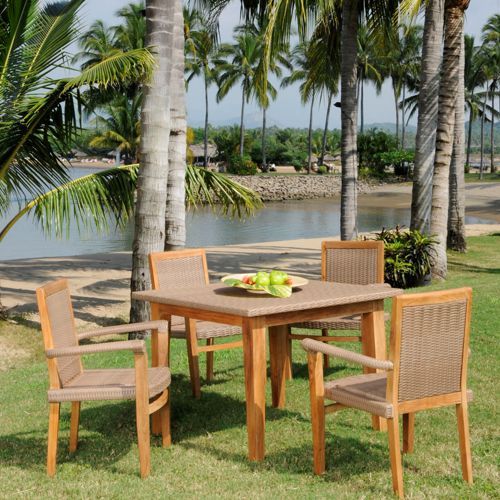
(353, 262)
(427, 368)
(70, 382)
(184, 268)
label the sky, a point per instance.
(287, 110)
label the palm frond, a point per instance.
(221, 193)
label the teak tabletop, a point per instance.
(256, 312)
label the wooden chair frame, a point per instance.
(193, 347)
(144, 407)
(406, 408)
(347, 245)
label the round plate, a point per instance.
(297, 281)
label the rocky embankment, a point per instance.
(295, 187)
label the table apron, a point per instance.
(283, 318)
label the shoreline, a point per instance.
(100, 282)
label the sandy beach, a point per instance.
(100, 282)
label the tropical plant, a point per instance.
(241, 165)
(371, 144)
(38, 110)
(309, 86)
(408, 256)
(120, 127)
(238, 64)
(201, 57)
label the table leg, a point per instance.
(254, 356)
(159, 357)
(278, 353)
(373, 338)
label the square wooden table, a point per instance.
(256, 312)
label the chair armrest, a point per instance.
(161, 326)
(311, 345)
(136, 346)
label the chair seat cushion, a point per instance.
(335, 323)
(204, 329)
(119, 383)
(364, 392)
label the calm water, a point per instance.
(277, 221)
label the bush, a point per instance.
(407, 256)
(241, 165)
(322, 170)
(400, 159)
(370, 144)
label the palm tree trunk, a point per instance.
(492, 130)
(483, 116)
(309, 137)
(456, 212)
(325, 131)
(149, 235)
(427, 116)
(349, 114)
(469, 137)
(403, 118)
(242, 129)
(264, 159)
(175, 216)
(205, 132)
(396, 101)
(453, 36)
(362, 103)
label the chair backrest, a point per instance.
(429, 344)
(353, 262)
(58, 329)
(178, 268)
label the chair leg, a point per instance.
(408, 432)
(395, 456)
(166, 438)
(192, 352)
(210, 361)
(142, 413)
(54, 410)
(316, 391)
(326, 362)
(464, 441)
(289, 374)
(73, 430)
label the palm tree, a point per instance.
(451, 80)
(39, 111)
(153, 173)
(368, 68)
(175, 211)
(456, 210)
(120, 127)
(427, 115)
(200, 57)
(401, 63)
(309, 87)
(238, 64)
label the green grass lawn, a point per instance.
(208, 454)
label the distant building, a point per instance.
(198, 152)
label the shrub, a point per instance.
(399, 159)
(408, 256)
(241, 165)
(371, 143)
(322, 170)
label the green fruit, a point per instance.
(262, 279)
(278, 277)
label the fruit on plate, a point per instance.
(262, 279)
(278, 277)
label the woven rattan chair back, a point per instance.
(58, 328)
(430, 345)
(354, 262)
(179, 268)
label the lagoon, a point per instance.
(277, 221)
